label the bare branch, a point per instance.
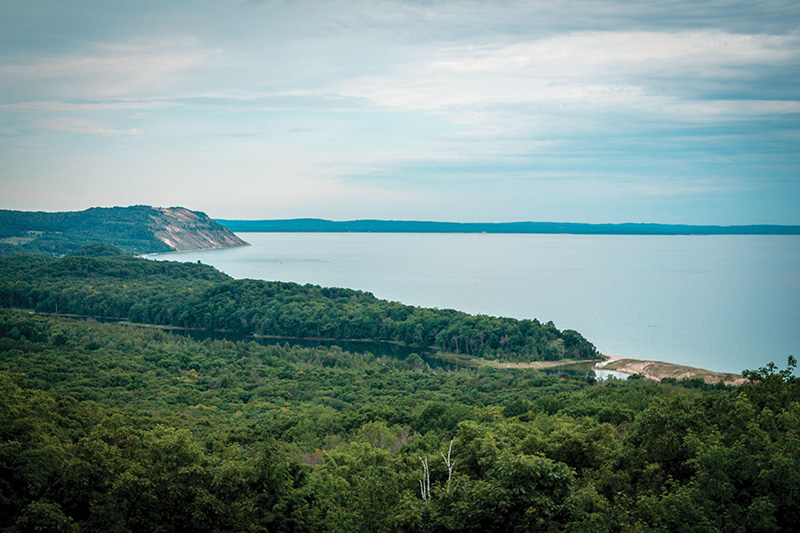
(450, 464)
(425, 482)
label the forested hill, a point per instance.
(111, 428)
(198, 296)
(136, 230)
(415, 226)
(106, 427)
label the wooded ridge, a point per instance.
(138, 229)
(99, 280)
(105, 427)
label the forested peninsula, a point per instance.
(413, 226)
(137, 229)
(101, 281)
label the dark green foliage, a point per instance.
(197, 296)
(114, 476)
(99, 249)
(136, 230)
(112, 427)
(62, 233)
(773, 389)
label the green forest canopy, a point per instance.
(138, 229)
(106, 427)
(198, 296)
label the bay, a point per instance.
(724, 302)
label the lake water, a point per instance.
(725, 303)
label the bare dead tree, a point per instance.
(450, 464)
(425, 482)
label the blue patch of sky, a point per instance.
(361, 94)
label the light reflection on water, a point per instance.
(605, 374)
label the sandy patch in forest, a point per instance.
(655, 370)
(658, 370)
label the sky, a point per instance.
(580, 111)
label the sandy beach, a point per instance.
(657, 370)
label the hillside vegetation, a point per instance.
(112, 427)
(198, 296)
(106, 427)
(136, 230)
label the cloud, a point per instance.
(105, 70)
(78, 125)
(88, 106)
(479, 103)
(735, 109)
(596, 68)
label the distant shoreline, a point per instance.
(653, 370)
(315, 225)
(658, 370)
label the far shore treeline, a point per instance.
(414, 226)
(101, 281)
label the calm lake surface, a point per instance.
(725, 303)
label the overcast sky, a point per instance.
(585, 111)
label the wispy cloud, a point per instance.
(595, 68)
(78, 125)
(105, 70)
(467, 108)
(92, 106)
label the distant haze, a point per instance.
(678, 112)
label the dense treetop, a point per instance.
(107, 427)
(121, 428)
(197, 296)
